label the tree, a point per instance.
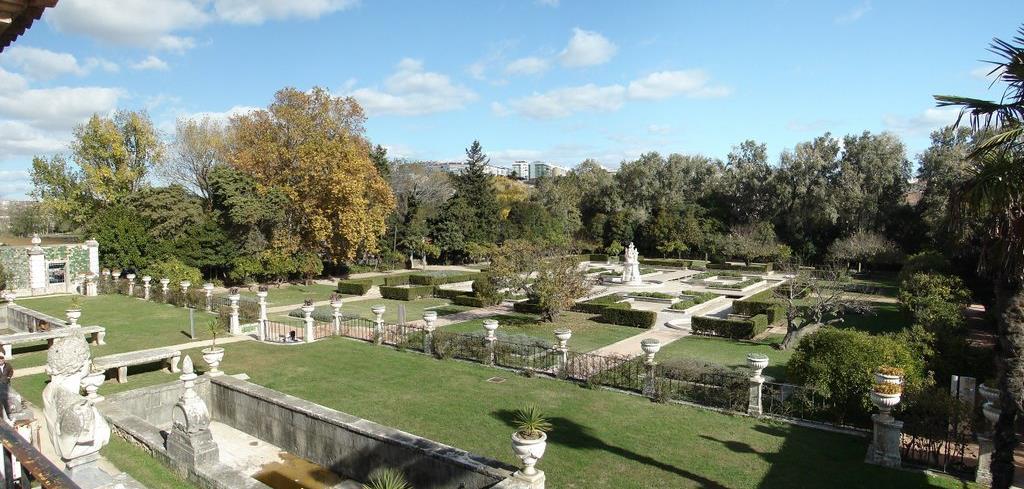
(863, 246)
(872, 180)
(123, 236)
(310, 146)
(379, 155)
(747, 184)
(475, 187)
(550, 276)
(813, 299)
(805, 184)
(991, 193)
(751, 242)
(198, 146)
(5, 278)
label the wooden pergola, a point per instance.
(16, 16)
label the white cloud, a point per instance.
(42, 64)
(259, 11)
(665, 84)
(103, 64)
(14, 184)
(159, 24)
(566, 101)
(225, 116)
(659, 129)
(412, 91)
(923, 123)
(587, 48)
(563, 102)
(151, 63)
(854, 14)
(530, 65)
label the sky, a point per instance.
(552, 80)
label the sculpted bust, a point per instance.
(76, 428)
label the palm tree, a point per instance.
(993, 194)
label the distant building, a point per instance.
(521, 169)
(457, 167)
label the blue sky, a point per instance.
(559, 81)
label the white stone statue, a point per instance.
(77, 430)
(190, 440)
(631, 267)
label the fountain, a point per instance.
(631, 268)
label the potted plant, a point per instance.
(387, 478)
(214, 354)
(886, 396)
(889, 375)
(530, 438)
(74, 310)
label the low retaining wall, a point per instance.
(350, 446)
(23, 319)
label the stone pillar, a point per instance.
(490, 325)
(261, 296)
(145, 286)
(336, 314)
(90, 284)
(990, 409)
(307, 316)
(208, 288)
(93, 247)
(184, 284)
(650, 347)
(378, 324)
(190, 441)
(757, 363)
(36, 267)
(234, 327)
(887, 434)
(428, 331)
(131, 284)
(563, 335)
(163, 285)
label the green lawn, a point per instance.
(294, 293)
(726, 352)
(879, 283)
(141, 466)
(600, 438)
(883, 318)
(413, 309)
(132, 324)
(587, 334)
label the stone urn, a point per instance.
(888, 378)
(378, 312)
(91, 383)
(650, 346)
(885, 402)
(213, 356)
(130, 277)
(529, 451)
(757, 362)
(989, 394)
(73, 315)
(428, 318)
(490, 325)
(563, 335)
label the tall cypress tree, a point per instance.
(475, 186)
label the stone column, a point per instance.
(208, 288)
(650, 347)
(131, 284)
(563, 335)
(93, 247)
(90, 284)
(887, 434)
(757, 363)
(378, 324)
(428, 331)
(336, 314)
(163, 286)
(190, 441)
(307, 316)
(234, 326)
(36, 267)
(490, 325)
(145, 286)
(261, 295)
(990, 409)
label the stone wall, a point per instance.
(15, 260)
(23, 319)
(348, 445)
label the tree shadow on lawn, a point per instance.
(813, 458)
(568, 433)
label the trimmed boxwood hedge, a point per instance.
(407, 293)
(396, 280)
(526, 307)
(355, 286)
(753, 267)
(625, 316)
(430, 279)
(760, 303)
(597, 305)
(737, 329)
(598, 257)
(448, 293)
(468, 300)
(675, 262)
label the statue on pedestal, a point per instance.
(76, 428)
(631, 267)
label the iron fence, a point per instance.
(795, 402)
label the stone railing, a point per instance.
(26, 320)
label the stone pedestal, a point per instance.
(262, 329)
(36, 267)
(490, 325)
(94, 256)
(90, 284)
(378, 324)
(234, 326)
(145, 286)
(208, 288)
(190, 441)
(885, 442)
(757, 363)
(336, 316)
(521, 481)
(428, 331)
(307, 313)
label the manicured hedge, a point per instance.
(598, 257)
(753, 267)
(430, 279)
(396, 280)
(407, 293)
(526, 307)
(469, 300)
(736, 286)
(738, 329)
(760, 303)
(628, 317)
(449, 294)
(355, 286)
(596, 305)
(675, 262)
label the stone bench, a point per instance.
(121, 361)
(98, 334)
